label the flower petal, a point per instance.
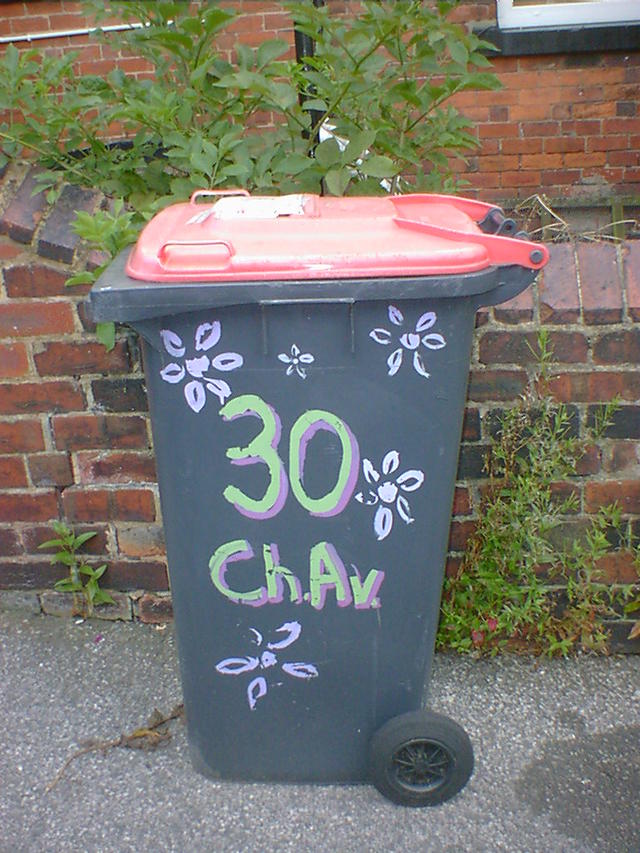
(306, 358)
(172, 343)
(370, 473)
(395, 315)
(195, 395)
(207, 335)
(172, 373)
(410, 480)
(220, 388)
(434, 341)
(410, 340)
(404, 510)
(302, 373)
(227, 361)
(197, 366)
(418, 365)
(292, 630)
(391, 462)
(380, 336)
(383, 522)
(300, 670)
(290, 369)
(235, 666)
(282, 356)
(256, 690)
(394, 361)
(295, 350)
(426, 321)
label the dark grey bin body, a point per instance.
(288, 690)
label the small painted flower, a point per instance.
(296, 360)
(409, 341)
(386, 492)
(198, 368)
(258, 686)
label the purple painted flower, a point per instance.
(266, 660)
(197, 370)
(386, 492)
(409, 341)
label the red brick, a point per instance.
(600, 283)
(28, 506)
(155, 609)
(607, 143)
(558, 289)
(623, 456)
(33, 574)
(9, 542)
(75, 359)
(50, 469)
(35, 280)
(34, 536)
(522, 146)
(631, 256)
(13, 474)
(13, 360)
(84, 432)
(29, 397)
(516, 310)
(9, 250)
(22, 436)
(590, 462)
(86, 504)
(521, 179)
(134, 505)
(140, 540)
(626, 493)
(542, 161)
(24, 211)
(459, 533)
(563, 144)
(619, 347)
(115, 467)
(617, 567)
(559, 177)
(522, 347)
(595, 387)
(461, 501)
(18, 319)
(136, 574)
(496, 385)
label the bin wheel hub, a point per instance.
(422, 764)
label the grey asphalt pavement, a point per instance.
(557, 746)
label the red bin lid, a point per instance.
(240, 237)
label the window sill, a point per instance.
(579, 39)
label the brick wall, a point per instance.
(75, 439)
(567, 125)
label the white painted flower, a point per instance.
(296, 360)
(386, 492)
(409, 341)
(258, 686)
(197, 369)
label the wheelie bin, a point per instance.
(306, 361)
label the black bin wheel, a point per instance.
(420, 759)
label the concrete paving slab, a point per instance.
(557, 746)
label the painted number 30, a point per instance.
(264, 449)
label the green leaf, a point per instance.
(81, 278)
(378, 166)
(293, 164)
(458, 52)
(270, 50)
(106, 334)
(327, 154)
(337, 181)
(81, 538)
(52, 543)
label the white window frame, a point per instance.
(594, 12)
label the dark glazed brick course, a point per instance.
(56, 240)
(120, 395)
(25, 210)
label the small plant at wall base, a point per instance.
(83, 580)
(523, 582)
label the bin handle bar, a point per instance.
(164, 254)
(502, 250)
(200, 193)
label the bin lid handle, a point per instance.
(502, 250)
(175, 260)
(200, 193)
